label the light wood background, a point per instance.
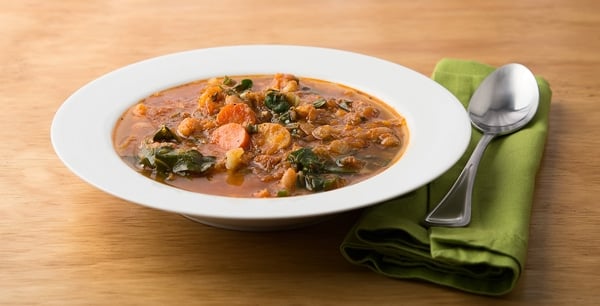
(63, 242)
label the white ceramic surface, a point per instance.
(439, 131)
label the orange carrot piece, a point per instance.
(230, 136)
(237, 113)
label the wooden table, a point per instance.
(64, 242)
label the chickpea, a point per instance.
(339, 147)
(282, 81)
(325, 132)
(187, 126)
(377, 132)
(291, 85)
(389, 140)
(140, 109)
(304, 109)
(288, 180)
(209, 100)
(233, 99)
(263, 193)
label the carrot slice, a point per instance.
(230, 136)
(238, 113)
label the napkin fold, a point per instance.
(486, 257)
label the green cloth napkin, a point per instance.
(486, 257)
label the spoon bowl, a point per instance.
(505, 102)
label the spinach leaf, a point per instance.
(164, 134)
(345, 105)
(304, 159)
(314, 174)
(277, 102)
(165, 160)
(227, 81)
(322, 182)
(192, 162)
(245, 84)
(319, 103)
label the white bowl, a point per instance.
(439, 131)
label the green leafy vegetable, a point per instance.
(245, 84)
(227, 81)
(192, 162)
(314, 174)
(283, 193)
(277, 102)
(322, 182)
(284, 118)
(304, 159)
(252, 128)
(345, 105)
(165, 159)
(164, 134)
(319, 103)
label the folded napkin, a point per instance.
(488, 256)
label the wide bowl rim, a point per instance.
(439, 129)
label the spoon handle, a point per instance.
(455, 208)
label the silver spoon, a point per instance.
(505, 101)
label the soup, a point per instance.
(260, 136)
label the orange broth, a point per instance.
(260, 136)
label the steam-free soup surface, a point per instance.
(260, 136)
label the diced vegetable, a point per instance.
(233, 158)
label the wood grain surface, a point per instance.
(63, 242)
